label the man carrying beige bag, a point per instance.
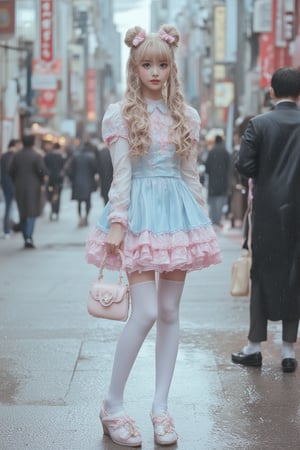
(270, 155)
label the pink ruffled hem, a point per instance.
(177, 251)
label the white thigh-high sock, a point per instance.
(167, 338)
(142, 318)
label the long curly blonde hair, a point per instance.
(134, 109)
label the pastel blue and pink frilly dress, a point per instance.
(157, 197)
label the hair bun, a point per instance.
(132, 35)
(170, 34)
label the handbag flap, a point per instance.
(108, 293)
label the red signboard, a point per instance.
(46, 103)
(274, 50)
(46, 30)
(91, 94)
(267, 58)
(7, 17)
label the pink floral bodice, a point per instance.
(160, 161)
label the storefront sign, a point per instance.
(46, 103)
(45, 75)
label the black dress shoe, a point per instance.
(289, 364)
(254, 359)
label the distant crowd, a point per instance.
(32, 175)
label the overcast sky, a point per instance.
(125, 5)
(136, 13)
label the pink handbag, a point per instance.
(109, 300)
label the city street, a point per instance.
(55, 359)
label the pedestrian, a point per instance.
(156, 214)
(105, 170)
(54, 162)
(218, 169)
(238, 188)
(28, 171)
(7, 186)
(82, 171)
(269, 154)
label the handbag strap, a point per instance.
(249, 238)
(122, 268)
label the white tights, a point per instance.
(148, 306)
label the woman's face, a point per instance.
(153, 74)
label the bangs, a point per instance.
(154, 49)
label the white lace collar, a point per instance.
(159, 104)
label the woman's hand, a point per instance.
(114, 238)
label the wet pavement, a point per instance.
(55, 359)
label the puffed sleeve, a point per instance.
(115, 135)
(189, 168)
(195, 121)
(189, 173)
(113, 124)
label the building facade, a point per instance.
(60, 65)
(61, 59)
(228, 52)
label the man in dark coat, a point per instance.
(54, 162)
(82, 171)
(7, 184)
(27, 171)
(270, 155)
(238, 188)
(217, 167)
(105, 169)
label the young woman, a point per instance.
(156, 214)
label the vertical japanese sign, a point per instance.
(91, 94)
(267, 58)
(220, 34)
(46, 30)
(46, 68)
(267, 50)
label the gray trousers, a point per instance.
(259, 323)
(216, 204)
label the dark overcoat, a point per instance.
(82, 171)
(217, 167)
(27, 171)
(105, 169)
(270, 154)
(6, 181)
(55, 162)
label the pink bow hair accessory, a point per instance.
(166, 37)
(139, 38)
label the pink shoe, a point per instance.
(164, 429)
(120, 428)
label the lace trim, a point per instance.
(184, 251)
